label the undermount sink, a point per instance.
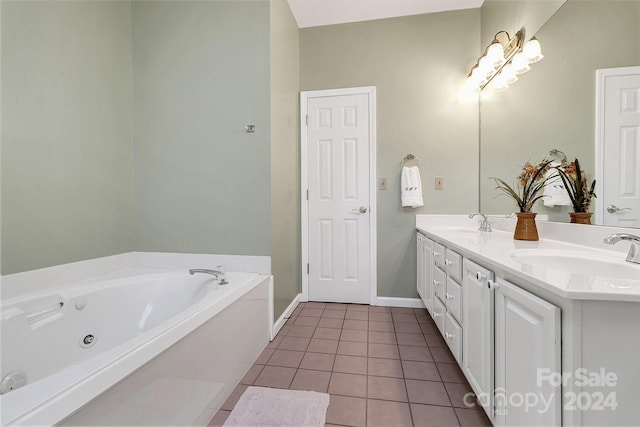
(588, 264)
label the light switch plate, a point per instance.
(439, 182)
(382, 183)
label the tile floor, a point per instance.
(382, 366)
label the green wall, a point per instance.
(67, 164)
(285, 156)
(124, 129)
(418, 65)
(200, 74)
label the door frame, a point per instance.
(370, 91)
(601, 78)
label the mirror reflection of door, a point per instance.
(618, 146)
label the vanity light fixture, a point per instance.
(503, 60)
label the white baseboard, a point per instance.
(400, 302)
(278, 324)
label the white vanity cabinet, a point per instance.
(527, 344)
(478, 342)
(425, 271)
(446, 275)
(500, 335)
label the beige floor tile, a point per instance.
(433, 416)
(427, 392)
(286, 358)
(384, 367)
(347, 411)
(354, 335)
(386, 351)
(383, 413)
(352, 348)
(306, 379)
(381, 326)
(348, 384)
(317, 361)
(350, 364)
(386, 388)
(327, 333)
(275, 376)
(318, 345)
(382, 337)
(417, 353)
(420, 370)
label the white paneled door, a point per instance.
(619, 146)
(338, 171)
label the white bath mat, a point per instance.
(261, 406)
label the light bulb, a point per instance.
(532, 51)
(479, 76)
(509, 74)
(520, 63)
(495, 53)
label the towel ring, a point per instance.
(409, 158)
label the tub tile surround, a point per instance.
(495, 249)
(126, 264)
(370, 383)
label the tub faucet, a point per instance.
(634, 250)
(219, 273)
(485, 225)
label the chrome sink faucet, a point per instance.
(634, 250)
(485, 225)
(219, 273)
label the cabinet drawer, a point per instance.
(439, 282)
(453, 336)
(438, 254)
(438, 314)
(453, 264)
(453, 299)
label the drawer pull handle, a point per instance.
(436, 253)
(435, 283)
(492, 285)
(436, 314)
(449, 296)
(480, 276)
(448, 335)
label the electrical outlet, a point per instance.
(382, 183)
(439, 182)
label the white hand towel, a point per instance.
(555, 193)
(411, 187)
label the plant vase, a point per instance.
(526, 226)
(580, 217)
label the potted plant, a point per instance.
(579, 191)
(528, 190)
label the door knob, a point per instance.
(614, 209)
(361, 209)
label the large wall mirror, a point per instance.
(553, 106)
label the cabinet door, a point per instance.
(478, 337)
(438, 314)
(429, 291)
(439, 283)
(527, 342)
(420, 264)
(453, 336)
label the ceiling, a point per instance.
(314, 13)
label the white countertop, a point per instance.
(498, 250)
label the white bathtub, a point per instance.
(77, 343)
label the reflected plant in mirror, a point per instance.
(580, 192)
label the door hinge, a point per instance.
(306, 119)
(307, 268)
